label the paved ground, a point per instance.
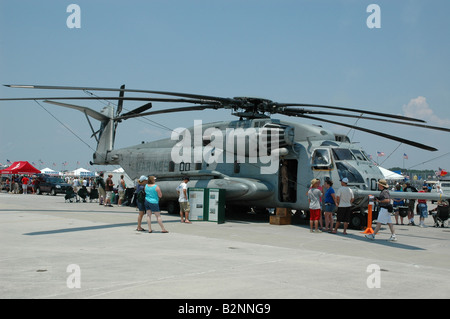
(48, 246)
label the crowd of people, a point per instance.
(325, 199)
(20, 184)
(342, 200)
(147, 194)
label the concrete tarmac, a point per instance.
(53, 249)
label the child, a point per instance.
(314, 198)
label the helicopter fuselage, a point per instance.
(228, 155)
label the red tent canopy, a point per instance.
(21, 167)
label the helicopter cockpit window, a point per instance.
(348, 171)
(321, 159)
(359, 155)
(343, 154)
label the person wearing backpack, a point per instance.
(140, 200)
(101, 188)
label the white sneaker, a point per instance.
(370, 236)
(393, 238)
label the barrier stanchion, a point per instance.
(369, 229)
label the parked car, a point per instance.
(445, 186)
(51, 184)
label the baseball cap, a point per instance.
(143, 178)
(345, 180)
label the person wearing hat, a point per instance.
(314, 198)
(344, 200)
(183, 200)
(384, 216)
(422, 208)
(140, 204)
(109, 187)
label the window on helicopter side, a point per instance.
(343, 154)
(359, 155)
(321, 159)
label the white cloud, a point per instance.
(419, 108)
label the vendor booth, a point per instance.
(21, 167)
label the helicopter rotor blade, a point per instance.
(145, 99)
(304, 111)
(399, 117)
(391, 137)
(174, 110)
(120, 104)
(186, 95)
(92, 113)
(138, 110)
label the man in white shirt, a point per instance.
(344, 200)
(183, 201)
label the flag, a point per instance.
(8, 162)
(380, 154)
(442, 172)
(405, 156)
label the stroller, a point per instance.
(70, 193)
(93, 194)
(441, 214)
(83, 193)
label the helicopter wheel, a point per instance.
(173, 207)
(357, 221)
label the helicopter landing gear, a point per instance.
(173, 207)
(357, 220)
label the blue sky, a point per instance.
(319, 52)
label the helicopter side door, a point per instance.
(287, 181)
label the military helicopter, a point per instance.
(260, 161)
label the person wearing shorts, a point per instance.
(314, 198)
(152, 196)
(344, 200)
(422, 208)
(140, 205)
(329, 205)
(183, 201)
(384, 216)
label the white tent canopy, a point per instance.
(82, 172)
(390, 175)
(116, 177)
(49, 171)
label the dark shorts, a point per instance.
(343, 214)
(140, 206)
(329, 208)
(152, 207)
